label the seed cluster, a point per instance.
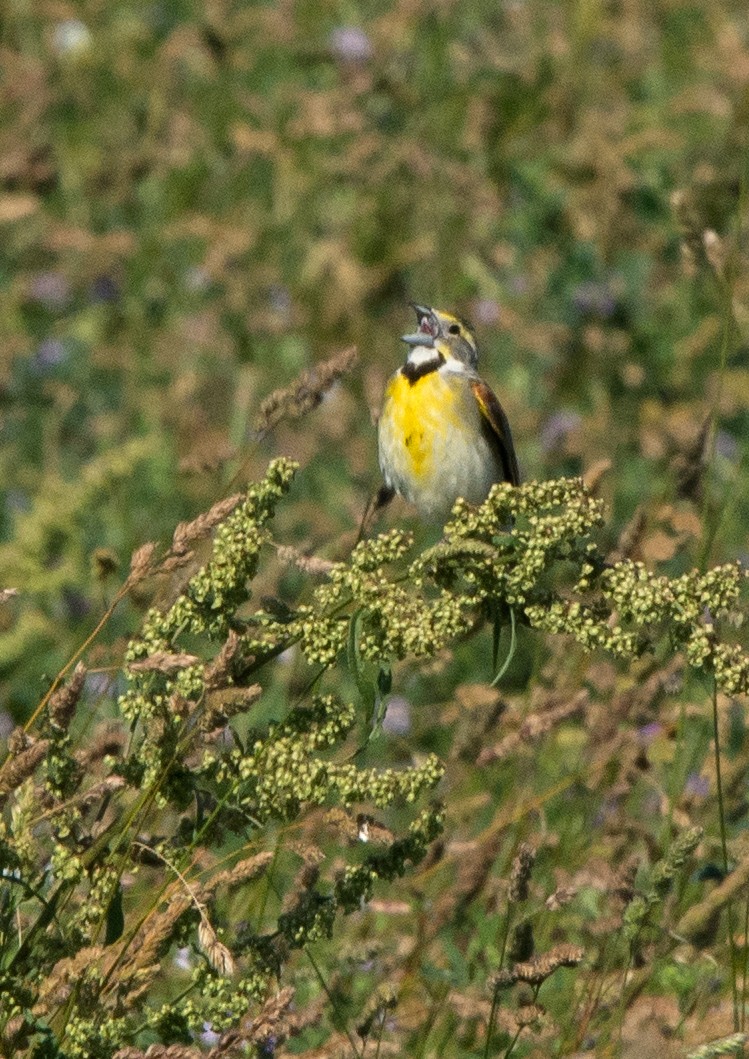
(194, 754)
(530, 548)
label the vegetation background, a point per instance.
(201, 201)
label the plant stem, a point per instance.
(724, 850)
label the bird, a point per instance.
(442, 433)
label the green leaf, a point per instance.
(115, 918)
(511, 651)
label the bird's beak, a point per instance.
(421, 338)
(427, 321)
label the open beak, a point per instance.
(428, 327)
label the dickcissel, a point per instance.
(442, 432)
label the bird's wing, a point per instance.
(498, 429)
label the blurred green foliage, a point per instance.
(199, 201)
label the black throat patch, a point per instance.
(414, 372)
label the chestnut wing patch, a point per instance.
(498, 430)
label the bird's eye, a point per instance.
(454, 329)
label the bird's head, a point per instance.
(446, 334)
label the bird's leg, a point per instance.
(375, 504)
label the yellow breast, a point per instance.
(416, 418)
(433, 447)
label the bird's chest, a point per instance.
(418, 416)
(429, 430)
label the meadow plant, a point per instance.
(149, 891)
(196, 201)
